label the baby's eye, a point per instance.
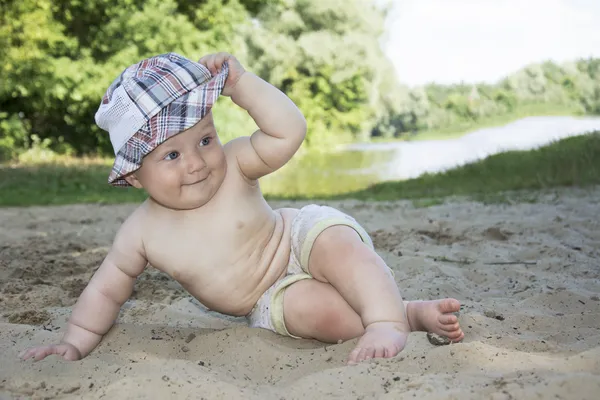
(205, 141)
(172, 155)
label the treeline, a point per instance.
(573, 86)
(58, 56)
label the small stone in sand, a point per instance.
(185, 349)
(190, 337)
(437, 340)
(493, 314)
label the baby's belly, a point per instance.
(235, 288)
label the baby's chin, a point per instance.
(180, 203)
(194, 196)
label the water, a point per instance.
(361, 165)
(325, 174)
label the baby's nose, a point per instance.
(195, 162)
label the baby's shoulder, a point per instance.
(234, 150)
(130, 232)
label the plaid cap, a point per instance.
(152, 101)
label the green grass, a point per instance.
(573, 161)
(461, 129)
(55, 184)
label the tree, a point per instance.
(325, 55)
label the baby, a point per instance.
(305, 273)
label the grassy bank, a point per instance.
(569, 162)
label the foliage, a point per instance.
(57, 58)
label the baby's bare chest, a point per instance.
(202, 245)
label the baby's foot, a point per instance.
(387, 339)
(435, 316)
(381, 339)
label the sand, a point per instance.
(527, 275)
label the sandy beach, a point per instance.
(528, 276)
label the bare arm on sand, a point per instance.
(282, 127)
(100, 302)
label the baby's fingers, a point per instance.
(37, 353)
(25, 354)
(221, 58)
(28, 353)
(209, 62)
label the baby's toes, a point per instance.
(379, 352)
(391, 351)
(368, 353)
(353, 356)
(455, 336)
(360, 354)
(447, 319)
(450, 328)
(448, 306)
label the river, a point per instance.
(360, 165)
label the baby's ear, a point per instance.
(133, 180)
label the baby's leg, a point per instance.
(340, 257)
(316, 310)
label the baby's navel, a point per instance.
(239, 225)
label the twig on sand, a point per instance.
(511, 263)
(446, 259)
(466, 261)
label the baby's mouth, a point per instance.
(195, 182)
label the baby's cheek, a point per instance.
(170, 178)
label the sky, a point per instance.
(449, 41)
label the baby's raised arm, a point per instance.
(282, 127)
(100, 302)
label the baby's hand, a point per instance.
(214, 62)
(64, 350)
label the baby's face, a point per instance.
(186, 170)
